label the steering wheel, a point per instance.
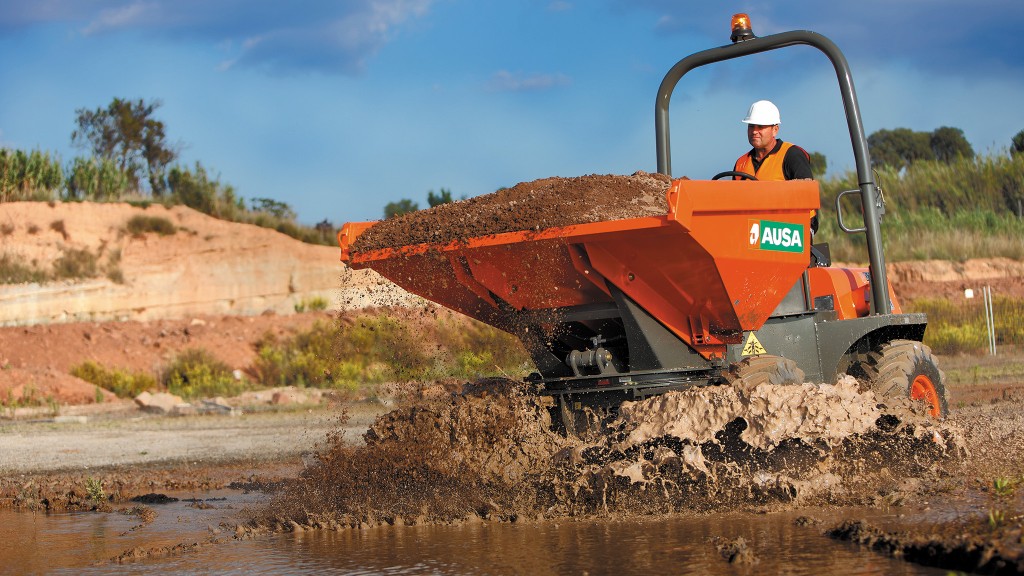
(742, 175)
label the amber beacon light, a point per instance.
(741, 29)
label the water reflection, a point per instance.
(84, 543)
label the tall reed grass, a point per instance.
(967, 208)
(29, 176)
(38, 176)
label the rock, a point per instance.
(290, 395)
(184, 409)
(159, 403)
(218, 406)
(154, 498)
(70, 419)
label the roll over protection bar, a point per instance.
(871, 201)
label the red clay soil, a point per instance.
(536, 205)
(35, 361)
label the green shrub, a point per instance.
(13, 271)
(59, 227)
(121, 382)
(75, 263)
(306, 359)
(142, 224)
(195, 373)
(314, 304)
(97, 179)
(955, 327)
(378, 347)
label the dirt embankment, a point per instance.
(197, 265)
(35, 361)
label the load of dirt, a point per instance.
(536, 205)
(490, 453)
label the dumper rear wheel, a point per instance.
(764, 369)
(906, 369)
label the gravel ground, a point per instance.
(127, 437)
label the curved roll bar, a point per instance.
(870, 198)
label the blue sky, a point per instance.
(339, 107)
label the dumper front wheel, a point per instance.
(907, 369)
(764, 369)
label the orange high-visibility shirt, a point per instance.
(771, 166)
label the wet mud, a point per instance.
(490, 453)
(957, 546)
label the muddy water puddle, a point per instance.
(779, 543)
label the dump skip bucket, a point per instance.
(716, 264)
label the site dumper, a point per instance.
(725, 285)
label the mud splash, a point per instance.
(489, 454)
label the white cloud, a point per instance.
(133, 14)
(332, 36)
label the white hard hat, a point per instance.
(763, 113)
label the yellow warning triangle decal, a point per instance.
(753, 346)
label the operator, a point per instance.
(770, 158)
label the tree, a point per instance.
(1018, 143)
(325, 228)
(902, 147)
(444, 197)
(403, 206)
(279, 210)
(819, 164)
(196, 189)
(126, 133)
(899, 148)
(949, 143)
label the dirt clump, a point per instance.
(952, 547)
(735, 550)
(536, 205)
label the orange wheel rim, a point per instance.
(922, 388)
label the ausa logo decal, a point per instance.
(776, 236)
